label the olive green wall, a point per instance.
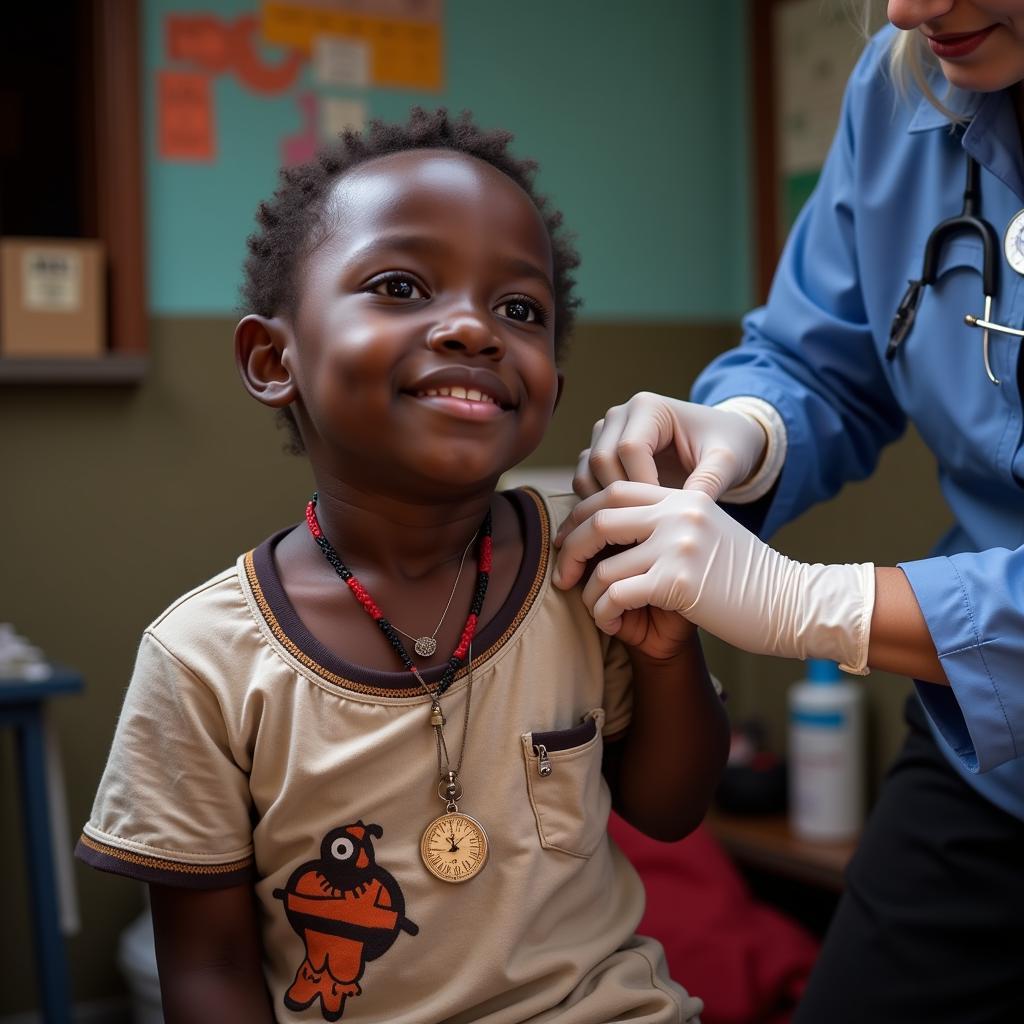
(115, 501)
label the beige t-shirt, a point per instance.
(246, 751)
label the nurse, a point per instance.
(931, 925)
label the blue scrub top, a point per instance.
(816, 353)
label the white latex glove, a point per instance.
(653, 439)
(692, 558)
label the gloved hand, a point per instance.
(652, 439)
(693, 558)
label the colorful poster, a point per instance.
(343, 62)
(404, 52)
(410, 10)
(218, 46)
(185, 116)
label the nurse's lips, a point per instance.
(950, 45)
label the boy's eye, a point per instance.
(398, 288)
(522, 310)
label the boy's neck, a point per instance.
(397, 537)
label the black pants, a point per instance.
(931, 925)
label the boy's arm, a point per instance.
(209, 956)
(664, 769)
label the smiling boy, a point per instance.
(420, 815)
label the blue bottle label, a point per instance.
(820, 719)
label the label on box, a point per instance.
(51, 280)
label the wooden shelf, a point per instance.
(768, 844)
(112, 369)
(107, 177)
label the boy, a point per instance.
(422, 823)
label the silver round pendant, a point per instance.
(425, 646)
(1013, 242)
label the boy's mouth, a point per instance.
(461, 403)
(466, 391)
(470, 394)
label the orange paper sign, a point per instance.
(218, 46)
(404, 53)
(185, 116)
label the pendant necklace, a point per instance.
(426, 646)
(454, 846)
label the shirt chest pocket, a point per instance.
(570, 801)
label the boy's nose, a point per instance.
(468, 334)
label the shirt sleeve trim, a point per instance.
(105, 857)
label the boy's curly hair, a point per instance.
(292, 225)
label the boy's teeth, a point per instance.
(471, 394)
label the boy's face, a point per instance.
(423, 343)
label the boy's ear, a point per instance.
(262, 356)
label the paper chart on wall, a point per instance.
(403, 37)
(816, 47)
(185, 116)
(222, 46)
(341, 62)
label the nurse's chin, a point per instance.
(974, 75)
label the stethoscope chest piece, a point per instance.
(1013, 242)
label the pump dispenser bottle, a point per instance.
(826, 754)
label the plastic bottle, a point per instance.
(826, 754)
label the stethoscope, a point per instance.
(968, 220)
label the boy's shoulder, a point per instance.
(557, 503)
(560, 503)
(211, 610)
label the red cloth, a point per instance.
(748, 962)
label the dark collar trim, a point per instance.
(289, 630)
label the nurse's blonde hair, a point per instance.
(909, 63)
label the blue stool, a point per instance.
(22, 703)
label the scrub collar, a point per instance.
(991, 134)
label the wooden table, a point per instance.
(768, 844)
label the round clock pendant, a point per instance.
(454, 847)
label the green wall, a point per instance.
(647, 162)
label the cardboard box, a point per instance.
(52, 298)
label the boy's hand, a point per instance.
(655, 633)
(649, 631)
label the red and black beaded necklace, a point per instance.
(483, 575)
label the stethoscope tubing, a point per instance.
(968, 220)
